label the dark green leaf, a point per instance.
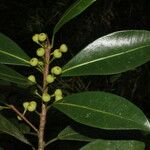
(114, 145)
(11, 53)
(74, 10)
(11, 75)
(103, 110)
(8, 128)
(114, 53)
(70, 134)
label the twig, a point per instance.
(23, 117)
(41, 142)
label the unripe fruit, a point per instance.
(40, 52)
(63, 48)
(32, 78)
(35, 38)
(46, 97)
(58, 92)
(19, 118)
(25, 105)
(42, 37)
(32, 106)
(57, 98)
(56, 70)
(50, 78)
(57, 53)
(34, 62)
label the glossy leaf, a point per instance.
(11, 53)
(11, 75)
(74, 10)
(103, 110)
(8, 128)
(114, 53)
(70, 134)
(114, 145)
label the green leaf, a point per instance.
(74, 10)
(11, 75)
(114, 145)
(103, 110)
(7, 127)
(114, 53)
(70, 134)
(11, 53)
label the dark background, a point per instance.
(20, 19)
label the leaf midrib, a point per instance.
(57, 26)
(14, 135)
(103, 58)
(96, 110)
(19, 78)
(12, 55)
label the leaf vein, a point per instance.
(103, 58)
(96, 110)
(6, 53)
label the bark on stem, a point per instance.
(41, 143)
(23, 117)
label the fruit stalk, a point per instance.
(41, 142)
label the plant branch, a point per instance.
(23, 117)
(41, 143)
